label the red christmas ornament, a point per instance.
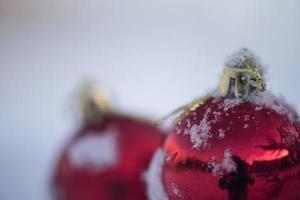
(241, 144)
(106, 159)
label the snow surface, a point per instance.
(279, 104)
(155, 188)
(227, 164)
(99, 150)
(229, 103)
(176, 190)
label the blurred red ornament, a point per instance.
(106, 159)
(238, 145)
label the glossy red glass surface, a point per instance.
(264, 145)
(136, 142)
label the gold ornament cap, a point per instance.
(242, 75)
(93, 101)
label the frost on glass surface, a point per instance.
(200, 132)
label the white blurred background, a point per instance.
(154, 55)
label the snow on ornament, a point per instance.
(238, 143)
(106, 159)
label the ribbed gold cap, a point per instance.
(242, 75)
(93, 102)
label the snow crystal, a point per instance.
(246, 126)
(155, 188)
(176, 190)
(258, 108)
(98, 150)
(238, 58)
(247, 117)
(227, 165)
(178, 130)
(221, 134)
(188, 122)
